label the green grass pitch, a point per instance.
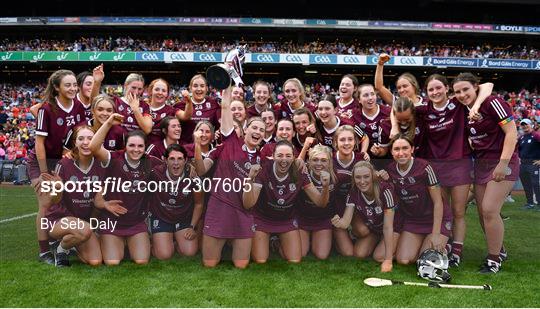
(183, 282)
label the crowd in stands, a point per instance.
(356, 47)
(17, 125)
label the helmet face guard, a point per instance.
(433, 265)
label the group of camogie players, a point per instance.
(385, 181)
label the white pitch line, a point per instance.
(18, 217)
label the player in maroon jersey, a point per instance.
(205, 132)
(85, 81)
(136, 113)
(448, 151)
(493, 138)
(69, 216)
(345, 157)
(327, 121)
(406, 84)
(347, 102)
(367, 118)
(158, 90)
(285, 131)
(225, 216)
(269, 118)
(129, 168)
(55, 118)
(294, 99)
(314, 222)
(171, 129)
(372, 202)
(177, 210)
(305, 125)
(424, 217)
(262, 95)
(278, 183)
(238, 94)
(204, 107)
(238, 109)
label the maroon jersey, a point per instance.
(113, 141)
(232, 161)
(411, 187)
(486, 135)
(370, 125)
(77, 204)
(208, 110)
(267, 152)
(57, 122)
(384, 136)
(172, 205)
(370, 212)
(328, 134)
(278, 195)
(345, 110)
(87, 108)
(135, 201)
(157, 149)
(344, 178)
(157, 115)
(190, 149)
(123, 108)
(305, 207)
(446, 137)
(252, 111)
(286, 111)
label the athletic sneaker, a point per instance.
(504, 217)
(509, 199)
(528, 207)
(454, 260)
(46, 257)
(490, 267)
(61, 259)
(503, 255)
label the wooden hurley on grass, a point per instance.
(377, 282)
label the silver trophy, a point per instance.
(220, 76)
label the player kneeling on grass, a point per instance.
(67, 220)
(176, 209)
(280, 182)
(372, 203)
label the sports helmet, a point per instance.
(433, 265)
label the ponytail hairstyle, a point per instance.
(403, 104)
(76, 130)
(293, 169)
(375, 180)
(53, 84)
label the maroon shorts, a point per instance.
(453, 173)
(32, 165)
(314, 224)
(267, 225)
(126, 231)
(483, 170)
(225, 221)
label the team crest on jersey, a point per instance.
(431, 116)
(473, 131)
(281, 201)
(448, 225)
(112, 143)
(292, 187)
(362, 125)
(172, 201)
(163, 115)
(121, 108)
(78, 118)
(208, 105)
(451, 106)
(284, 114)
(375, 135)
(130, 119)
(198, 113)
(59, 121)
(508, 171)
(378, 210)
(404, 192)
(86, 194)
(411, 180)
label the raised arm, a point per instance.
(185, 115)
(144, 121)
(385, 94)
(98, 74)
(227, 122)
(96, 144)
